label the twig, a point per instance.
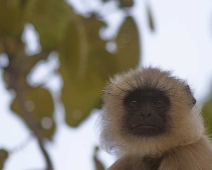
(13, 69)
(32, 124)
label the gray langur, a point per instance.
(150, 120)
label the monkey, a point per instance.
(150, 120)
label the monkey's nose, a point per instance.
(145, 115)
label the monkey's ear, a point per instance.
(188, 90)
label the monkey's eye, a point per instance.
(159, 104)
(133, 103)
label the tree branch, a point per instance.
(14, 71)
(32, 124)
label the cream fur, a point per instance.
(187, 127)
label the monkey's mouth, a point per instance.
(145, 126)
(148, 127)
(146, 130)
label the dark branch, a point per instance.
(14, 71)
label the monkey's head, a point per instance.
(147, 112)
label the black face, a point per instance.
(146, 112)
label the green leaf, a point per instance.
(207, 114)
(127, 55)
(150, 19)
(50, 18)
(82, 56)
(9, 17)
(86, 65)
(39, 103)
(1, 47)
(3, 157)
(126, 3)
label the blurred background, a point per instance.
(56, 57)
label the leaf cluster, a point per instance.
(85, 63)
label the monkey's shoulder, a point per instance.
(194, 156)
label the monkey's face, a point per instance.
(149, 109)
(146, 112)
